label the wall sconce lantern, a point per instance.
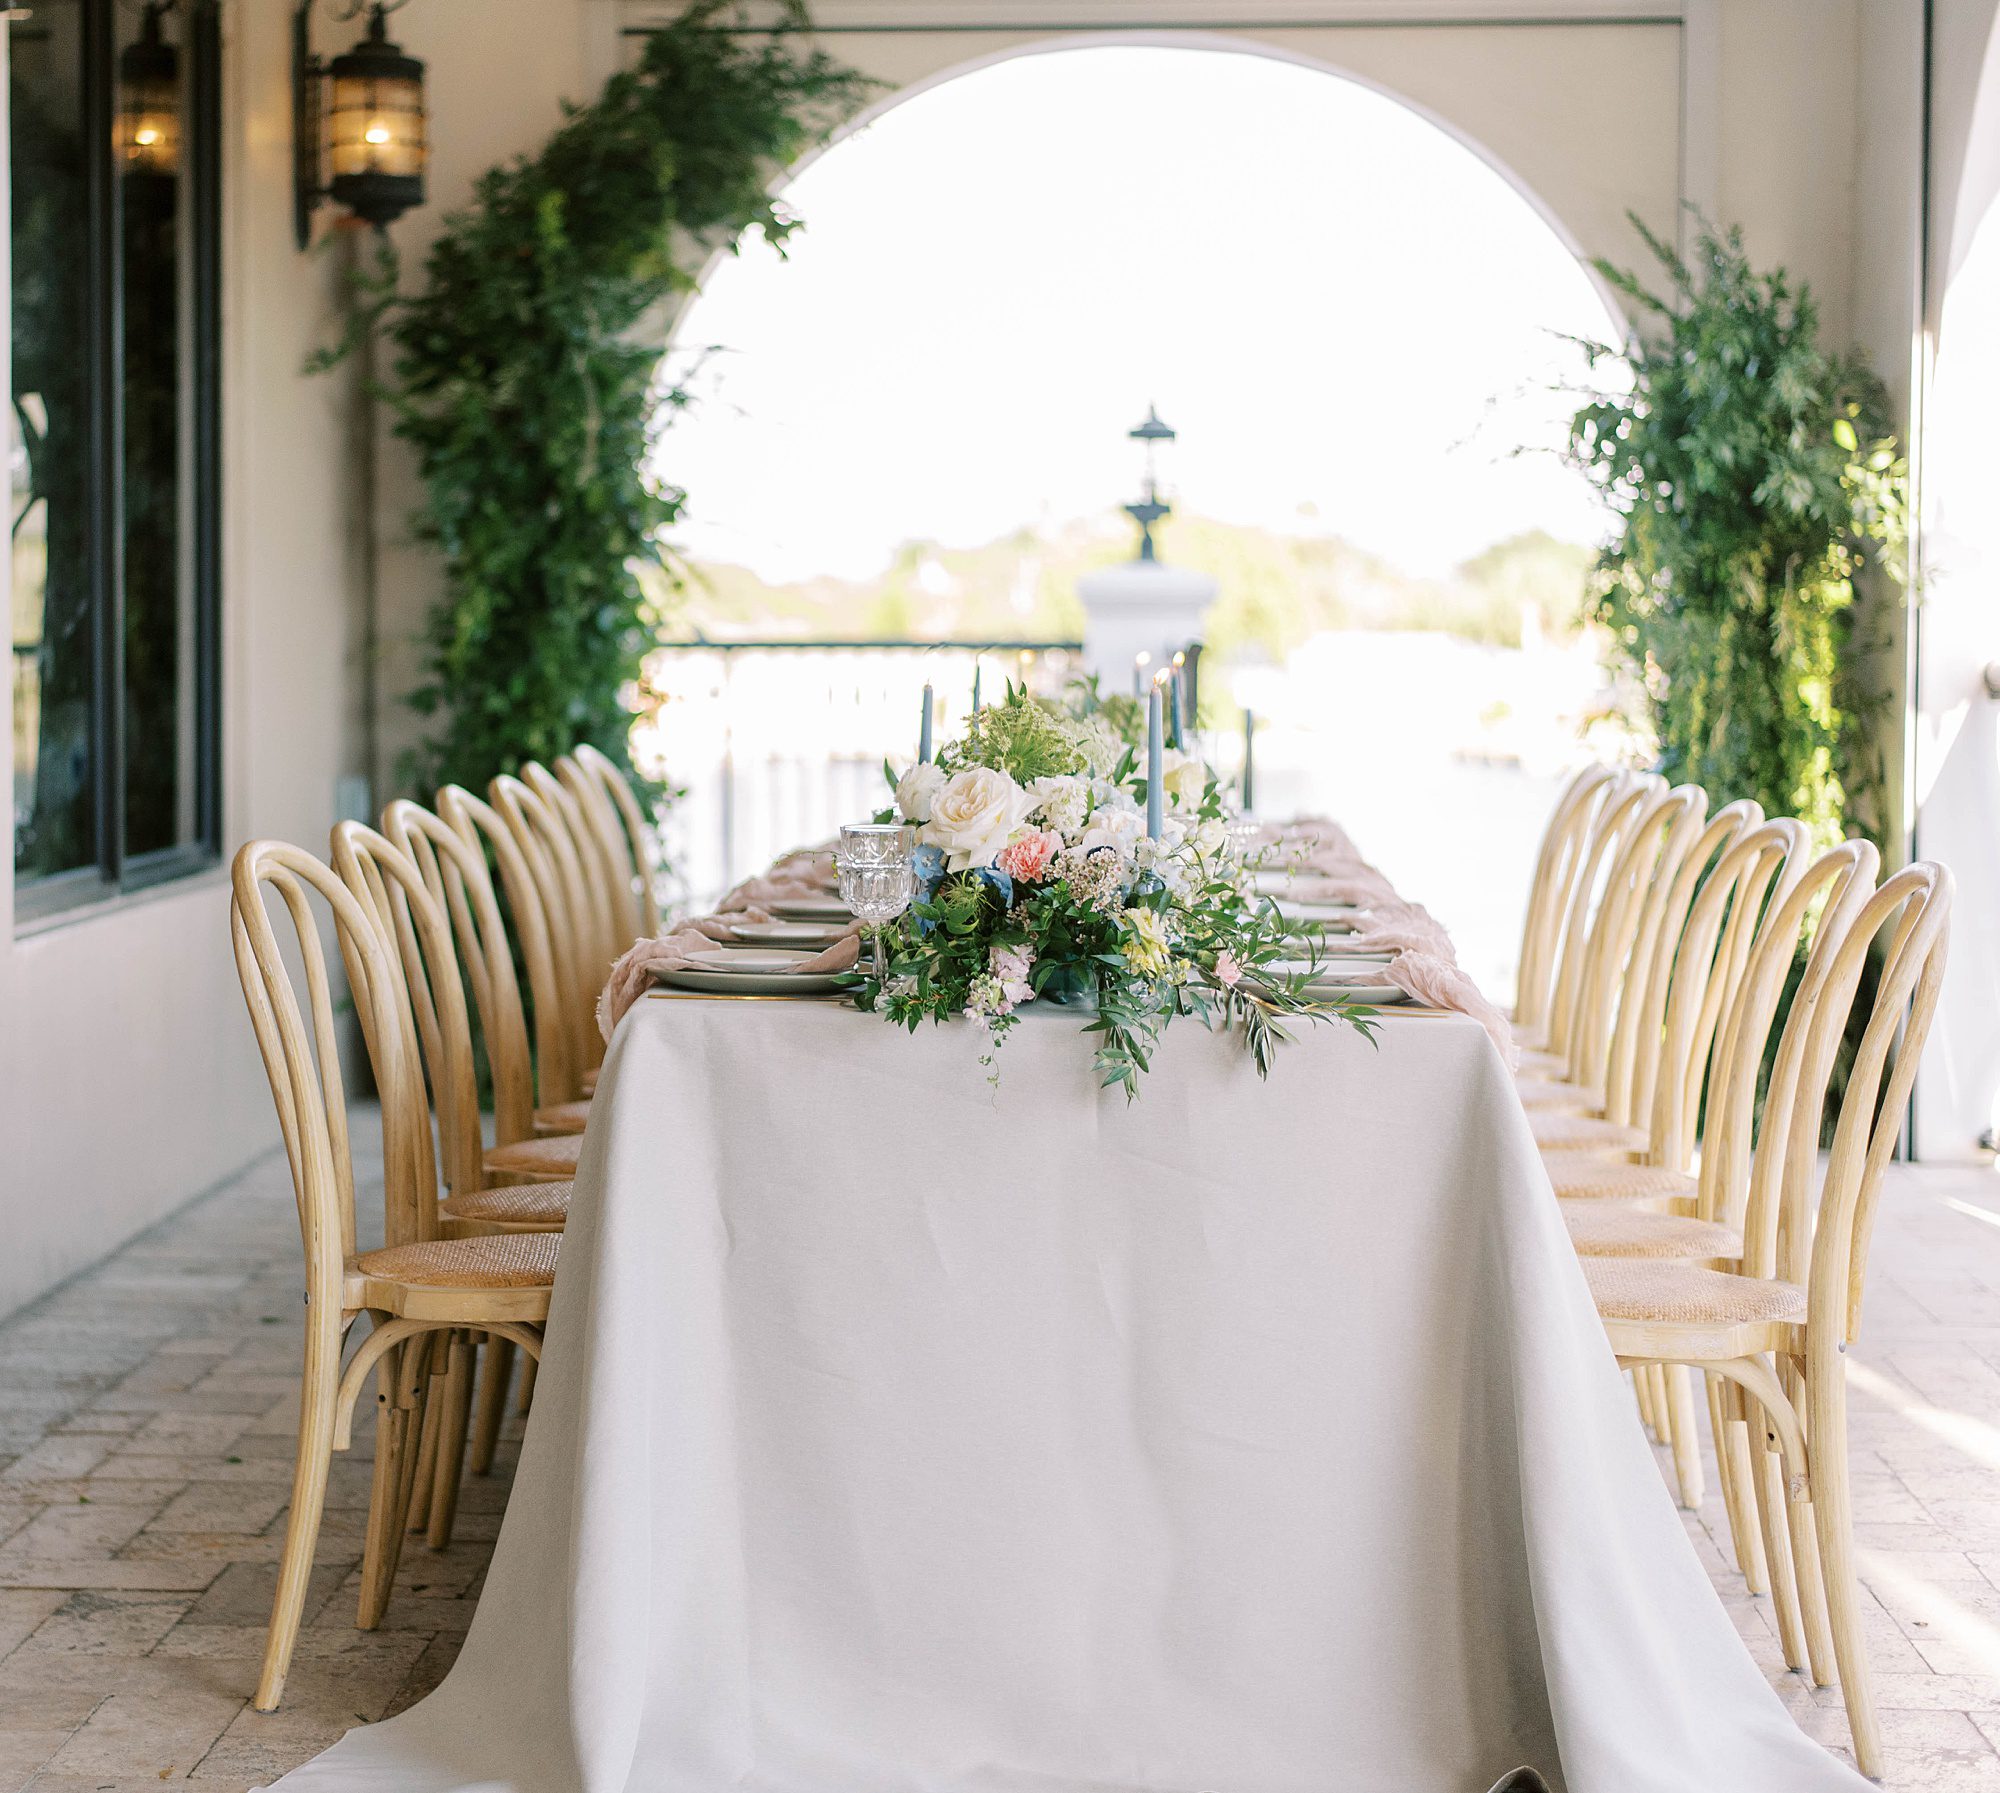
(149, 98)
(370, 127)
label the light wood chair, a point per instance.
(1686, 1000)
(1623, 935)
(417, 1289)
(636, 855)
(1777, 1330)
(476, 1199)
(1625, 800)
(549, 849)
(557, 1077)
(1557, 868)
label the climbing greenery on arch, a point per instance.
(1756, 478)
(525, 373)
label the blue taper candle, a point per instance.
(1177, 739)
(975, 688)
(924, 733)
(1153, 776)
(1249, 760)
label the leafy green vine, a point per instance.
(525, 372)
(1756, 475)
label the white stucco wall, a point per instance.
(129, 1079)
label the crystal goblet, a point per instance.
(877, 878)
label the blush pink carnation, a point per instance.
(1227, 971)
(1027, 859)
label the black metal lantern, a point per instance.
(371, 127)
(149, 98)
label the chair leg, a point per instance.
(318, 1387)
(454, 1409)
(1833, 1514)
(418, 1512)
(1733, 1452)
(492, 1403)
(527, 1398)
(389, 1497)
(1656, 1394)
(1769, 1485)
(1682, 1434)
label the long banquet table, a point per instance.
(898, 1432)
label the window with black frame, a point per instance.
(113, 466)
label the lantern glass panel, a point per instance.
(375, 122)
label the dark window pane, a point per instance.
(154, 228)
(51, 489)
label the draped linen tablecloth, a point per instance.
(898, 1435)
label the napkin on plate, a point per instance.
(675, 950)
(773, 888)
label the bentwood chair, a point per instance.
(556, 1076)
(628, 840)
(1777, 1329)
(1557, 867)
(549, 848)
(1623, 935)
(476, 1200)
(417, 1290)
(1548, 1055)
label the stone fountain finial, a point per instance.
(1149, 510)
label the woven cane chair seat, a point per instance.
(1610, 1230)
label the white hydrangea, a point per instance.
(1063, 804)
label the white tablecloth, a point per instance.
(896, 1433)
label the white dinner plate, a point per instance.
(1350, 966)
(737, 971)
(1376, 996)
(814, 934)
(813, 909)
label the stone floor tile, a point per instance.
(133, 1735)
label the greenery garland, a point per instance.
(1756, 475)
(525, 377)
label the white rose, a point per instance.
(1183, 777)
(973, 816)
(917, 790)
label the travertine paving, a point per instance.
(146, 1417)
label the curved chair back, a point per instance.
(455, 873)
(549, 850)
(425, 990)
(1684, 867)
(1616, 818)
(602, 935)
(1743, 1151)
(1630, 921)
(1909, 919)
(557, 1078)
(598, 769)
(300, 1046)
(1556, 869)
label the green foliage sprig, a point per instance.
(525, 372)
(1756, 474)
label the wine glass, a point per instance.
(877, 877)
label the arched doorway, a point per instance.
(914, 428)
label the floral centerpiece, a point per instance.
(1036, 879)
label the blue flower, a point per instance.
(928, 864)
(1000, 882)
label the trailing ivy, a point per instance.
(1755, 474)
(525, 372)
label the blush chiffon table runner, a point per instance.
(898, 1434)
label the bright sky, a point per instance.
(1345, 313)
